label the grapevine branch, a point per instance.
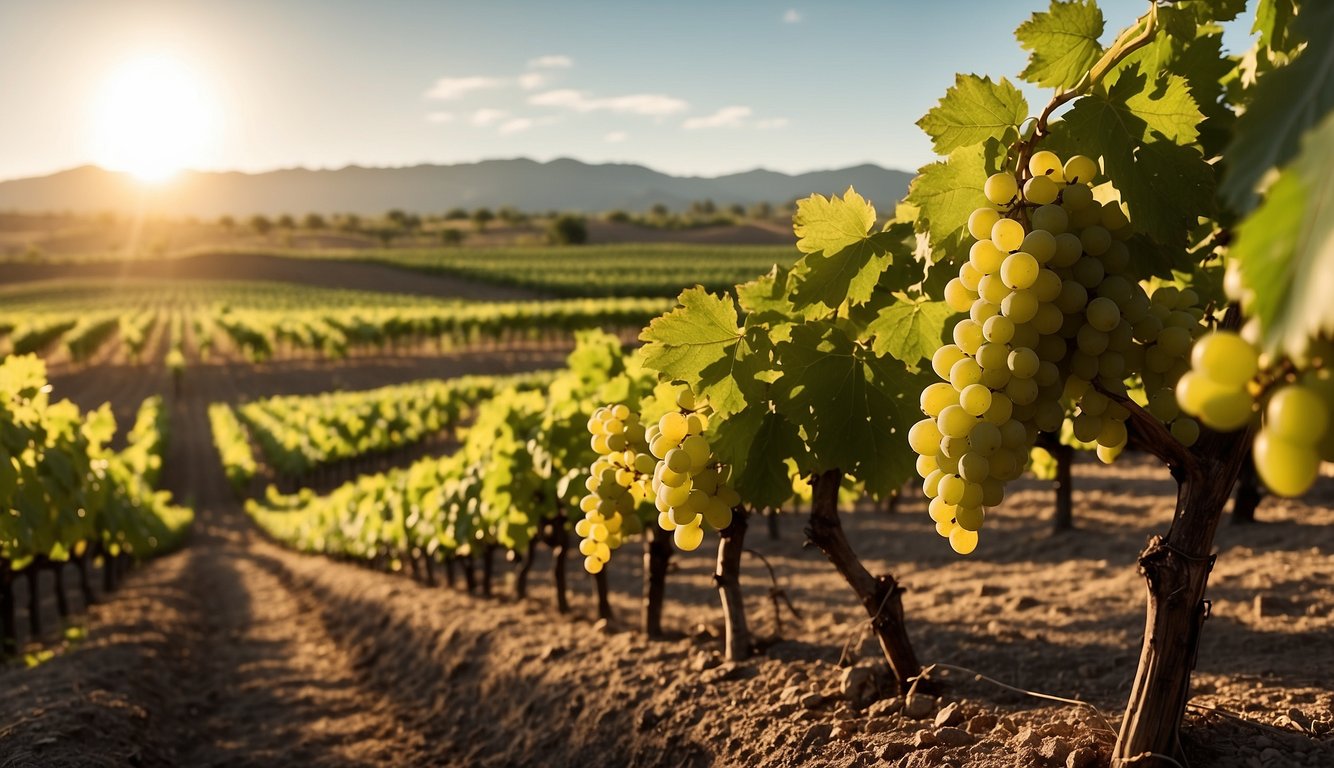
(1131, 39)
(1150, 434)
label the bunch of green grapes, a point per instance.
(618, 481)
(689, 487)
(1057, 323)
(1222, 387)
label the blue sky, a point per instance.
(685, 87)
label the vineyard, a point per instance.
(1031, 468)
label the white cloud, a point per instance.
(532, 80)
(771, 123)
(516, 125)
(440, 117)
(448, 88)
(551, 62)
(616, 137)
(654, 104)
(727, 117)
(792, 16)
(485, 117)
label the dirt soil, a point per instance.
(236, 652)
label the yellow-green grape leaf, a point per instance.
(757, 444)
(843, 260)
(973, 110)
(946, 194)
(1286, 248)
(1062, 43)
(909, 330)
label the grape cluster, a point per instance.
(1294, 438)
(1053, 310)
(617, 482)
(689, 487)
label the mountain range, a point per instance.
(528, 185)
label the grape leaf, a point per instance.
(1286, 248)
(946, 194)
(974, 109)
(757, 444)
(1287, 102)
(701, 344)
(843, 259)
(1063, 43)
(1272, 19)
(851, 406)
(909, 330)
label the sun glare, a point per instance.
(151, 119)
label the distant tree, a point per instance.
(410, 222)
(703, 207)
(481, 217)
(313, 221)
(349, 222)
(456, 214)
(396, 215)
(511, 216)
(227, 223)
(386, 234)
(286, 221)
(261, 224)
(617, 217)
(659, 211)
(736, 211)
(451, 236)
(761, 211)
(567, 229)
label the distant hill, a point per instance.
(564, 184)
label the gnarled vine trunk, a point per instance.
(727, 577)
(1249, 493)
(657, 555)
(604, 596)
(8, 611)
(881, 596)
(1176, 569)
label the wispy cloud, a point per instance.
(448, 88)
(440, 117)
(771, 123)
(616, 137)
(653, 104)
(487, 116)
(532, 80)
(727, 117)
(516, 125)
(551, 62)
(792, 16)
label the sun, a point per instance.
(151, 118)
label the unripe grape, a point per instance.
(964, 373)
(1069, 249)
(1088, 271)
(951, 489)
(1001, 409)
(1080, 169)
(1225, 358)
(969, 518)
(1186, 430)
(975, 399)
(969, 276)
(944, 358)
(940, 511)
(954, 421)
(1023, 363)
(1019, 270)
(1050, 218)
(1020, 306)
(1113, 434)
(982, 311)
(968, 336)
(673, 426)
(1041, 190)
(936, 396)
(992, 289)
(1288, 468)
(1001, 188)
(984, 438)
(985, 256)
(981, 221)
(1296, 414)
(957, 296)
(1041, 244)
(998, 329)
(1113, 218)
(1103, 314)
(1022, 391)
(1007, 234)
(1077, 197)
(992, 355)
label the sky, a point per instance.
(686, 87)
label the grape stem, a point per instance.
(1150, 434)
(1131, 39)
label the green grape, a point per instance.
(1092, 341)
(936, 396)
(1163, 405)
(1096, 240)
(1004, 465)
(1047, 286)
(944, 358)
(957, 296)
(924, 437)
(698, 449)
(1088, 271)
(992, 355)
(1007, 234)
(964, 373)
(1023, 363)
(1296, 414)
(1175, 342)
(685, 400)
(1080, 169)
(982, 311)
(954, 421)
(1013, 434)
(1117, 257)
(1073, 297)
(673, 426)
(1045, 163)
(968, 336)
(1113, 434)
(980, 222)
(593, 565)
(1113, 219)
(1051, 218)
(677, 460)
(1087, 426)
(969, 518)
(998, 329)
(996, 378)
(974, 467)
(993, 491)
(940, 511)
(688, 537)
(1069, 249)
(1022, 391)
(1103, 314)
(1107, 454)
(1186, 430)
(951, 489)
(986, 257)
(1048, 320)
(1041, 190)
(1111, 366)
(1019, 270)
(1225, 358)
(972, 496)
(1020, 306)
(926, 465)
(1077, 197)
(1001, 409)
(1041, 244)
(1287, 467)
(1001, 188)
(984, 438)
(963, 541)
(992, 289)
(975, 399)
(969, 276)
